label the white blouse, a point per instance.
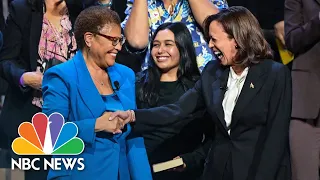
(235, 84)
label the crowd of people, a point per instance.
(148, 81)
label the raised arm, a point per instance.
(300, 35)
(201, 9)
(136, 24)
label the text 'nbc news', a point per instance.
(54, 163)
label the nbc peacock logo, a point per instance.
(47, 136)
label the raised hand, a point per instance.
(279, 31)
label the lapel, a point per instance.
(254, 81)
(87, 90)
(124, 97)
(89, 93)
(35, 33)
(218, 85)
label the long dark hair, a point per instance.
(187, 71)
(239, 23)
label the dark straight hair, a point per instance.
(240, 24)
(187, 70)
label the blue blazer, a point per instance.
(68, 89)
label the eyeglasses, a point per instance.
(115, 40)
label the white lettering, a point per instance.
(48, 163)
(80, 162)
(15, 163)
(54, 164)
(69, 163)
(26, 164)
(57, 163)
(33, 165)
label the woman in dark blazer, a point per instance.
(248, 97)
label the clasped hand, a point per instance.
(124, 117)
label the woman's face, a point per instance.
(222, 45)
(165, 52)
(102, 48)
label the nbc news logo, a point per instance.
(48, 136)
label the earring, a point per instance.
(237, 47)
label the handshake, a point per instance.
(114, 122)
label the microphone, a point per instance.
(117, 85)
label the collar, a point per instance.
(234, 76)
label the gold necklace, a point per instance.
(101, 82)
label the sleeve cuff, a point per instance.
(21, 82)
(86, 130)
(188, 160)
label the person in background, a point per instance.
(85, 89)
(248, 97)
(38, 35)
(172, 71)
(302, 26)
(124, 57)
(118, 6)
(144, 16)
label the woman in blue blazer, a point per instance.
(89, 86)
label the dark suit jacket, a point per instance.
(18, 55)
(302, 26)
(258, 143)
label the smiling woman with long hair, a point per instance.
(172, 71)
(248, 97)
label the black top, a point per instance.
(160, 149)
(166, 143)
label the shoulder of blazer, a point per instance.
(212, 69)
(22, 8)
(21, 12)
(271, 66)
(66, 71)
